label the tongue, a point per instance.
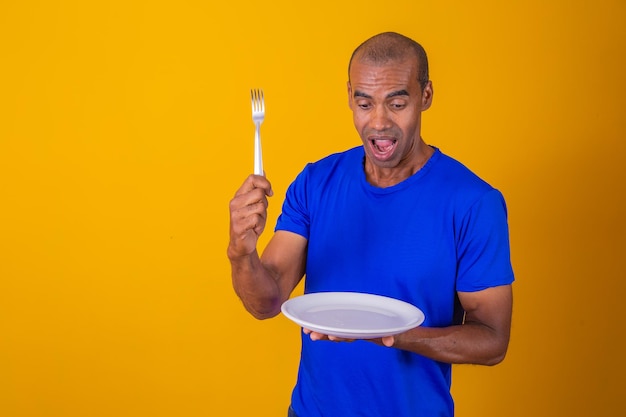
(383, 144)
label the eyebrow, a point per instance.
(398, 93)
(390, 95)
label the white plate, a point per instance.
(352, 315)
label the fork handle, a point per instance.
(258, 155)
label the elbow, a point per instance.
(262, 315)
(263, 311)
(260, 307)
(497, 356)
(494, 360)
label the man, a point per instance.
(394, 217)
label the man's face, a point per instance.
(386, 103)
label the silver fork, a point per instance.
(258, 115)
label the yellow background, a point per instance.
(125, 129)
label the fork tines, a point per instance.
(258, 101)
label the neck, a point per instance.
(383, 177)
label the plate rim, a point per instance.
(346, 332)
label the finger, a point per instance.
(241, 210)
(339, 339)
(242, 224)
(317, 336)
(253, 196)
(255, 182)
(388, 341)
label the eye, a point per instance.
(397, 105)
(363, 105)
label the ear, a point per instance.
(349, 95)
(427, 96)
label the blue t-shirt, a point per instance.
(440, 231)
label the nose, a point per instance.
(380, 118)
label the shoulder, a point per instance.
(461, 186)
(457, 172)
(338, 160)
(333, 166)
(456, 175)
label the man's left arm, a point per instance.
(482, 339)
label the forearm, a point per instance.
(470, 343)
(255, 286)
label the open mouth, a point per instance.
(383, 148)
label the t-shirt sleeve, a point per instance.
(295, 211)
(483, 249)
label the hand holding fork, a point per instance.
(247, 216)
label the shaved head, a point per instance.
(390, 47)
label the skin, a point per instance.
(387, 102)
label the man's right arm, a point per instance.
(262, 283)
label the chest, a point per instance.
(400, 245)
